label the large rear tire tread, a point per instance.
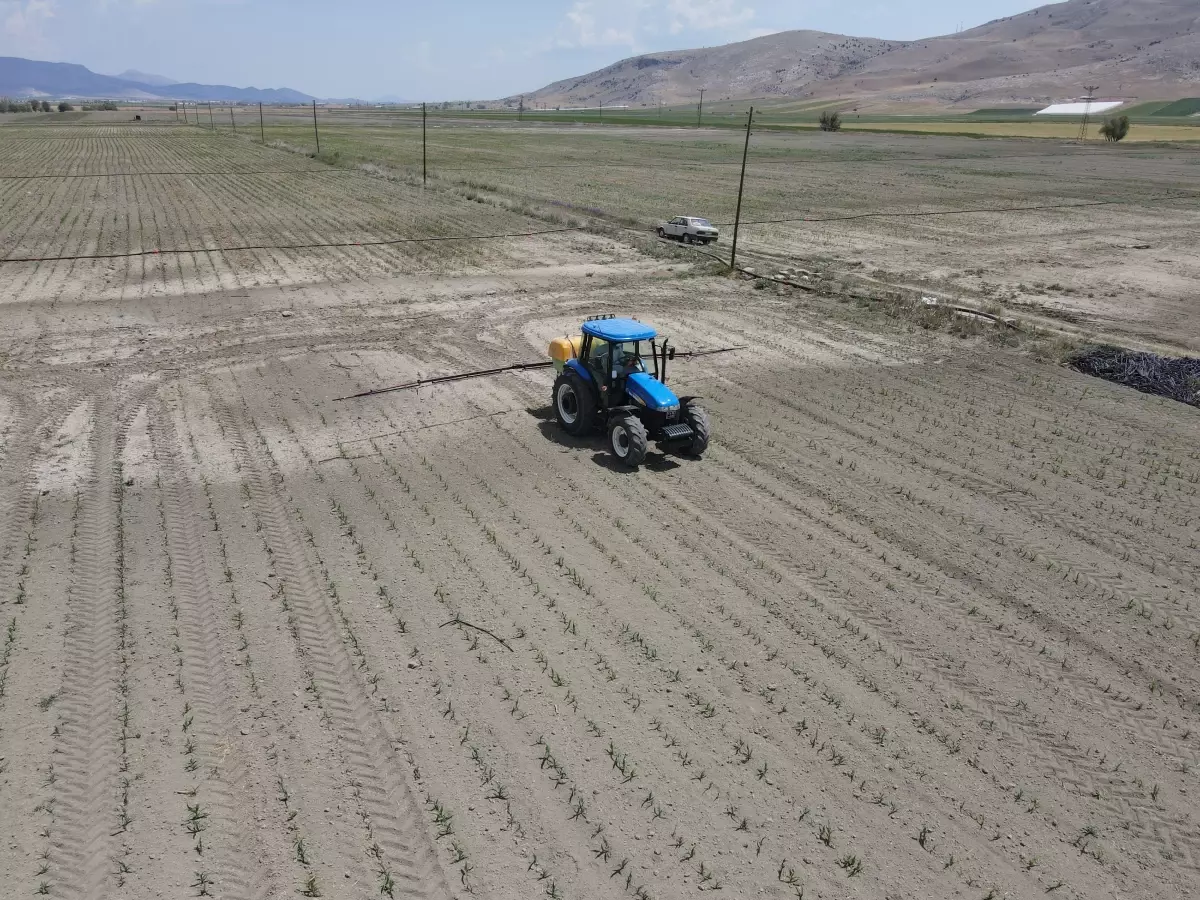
(574, 404)
(628, 439)
(696, 416)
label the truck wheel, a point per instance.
(703, 242)
(687, 238)
(695, 415)
(661, 233)
(627, 435)
(574, 404)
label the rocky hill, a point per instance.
(1130, 48)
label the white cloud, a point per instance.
(23, 25)
(592, 23)
(707, 15)
(633, 23)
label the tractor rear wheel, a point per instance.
(695, 415)
(627, 435)
(574, 403)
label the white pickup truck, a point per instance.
(689, 229)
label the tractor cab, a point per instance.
(604, 379)
(611, 351)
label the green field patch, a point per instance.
(1189, 106)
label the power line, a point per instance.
(963, 212)
(696, 164)
(520, 234)
(329, 171)
(313, 246)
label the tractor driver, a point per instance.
(627, 359)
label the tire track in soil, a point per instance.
(396, 818)
(91, 755)
(17, 489)
(204, 663)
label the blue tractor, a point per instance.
(603, 382)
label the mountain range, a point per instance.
(30, 78)
(1135, 49)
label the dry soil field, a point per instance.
(1098, 236)
(922, 623)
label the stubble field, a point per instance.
(1091, 235)
(921, 624)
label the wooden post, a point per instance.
(700, 108)
(315, 131)
(211, 124)
(231, 122)
(601, 112)
(424, 157)
(737, 219)
(261, 128)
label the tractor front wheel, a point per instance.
(627, 435)
(574, 404)
(695, 415)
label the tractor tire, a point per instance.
(574, 403)
(695, 415)
(627, 436)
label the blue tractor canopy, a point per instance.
(617, 331)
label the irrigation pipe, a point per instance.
(315, 246)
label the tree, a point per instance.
(64, 106)
(1115, 128)
(45, 106)
(831, 121)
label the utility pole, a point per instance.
(1087, 109)
(737, 219)
(601, 112)
(212, 126)
(231, 122)
(424, 156)
(315, 131)
(261, 128)
(700, 108)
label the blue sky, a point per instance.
(452, 49)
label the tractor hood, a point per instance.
(649, 390)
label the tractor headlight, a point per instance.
(674, 407)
